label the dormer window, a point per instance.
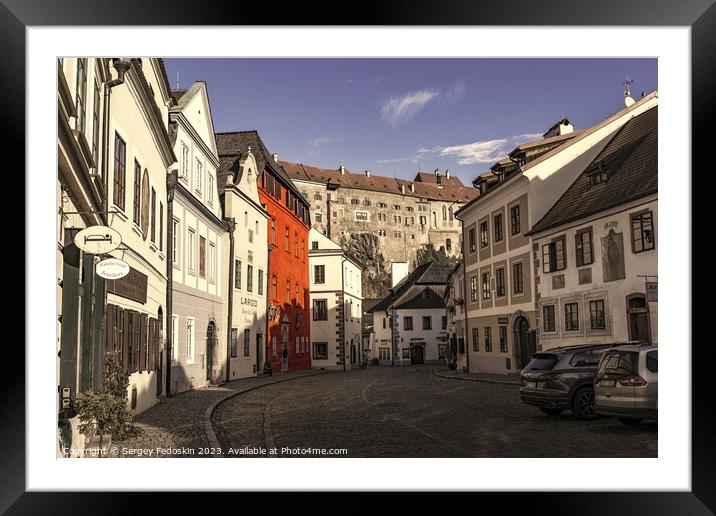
(598, 176)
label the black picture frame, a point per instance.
(700, 15)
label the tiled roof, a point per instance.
(427, 274)
(301, 172)
(547, 141)
(232, 146)
(631, 159)
(427, 177)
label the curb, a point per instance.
(209, 412)
(503, 382)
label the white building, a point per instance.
(499, 258)
(197, 234)
(337, 305)
(598, 246)
(410, 324)
(245, 258)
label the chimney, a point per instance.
(367, 173)
(398, 271)
(402, 188)
(342, 169)
(447, 174)
(412, 187)
(275, 157)
(437, 172)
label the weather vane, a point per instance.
(626, 84)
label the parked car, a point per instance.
(563, 378)
(627, 385)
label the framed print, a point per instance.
(420, 249)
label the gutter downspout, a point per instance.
(464, 304)
(268, 302)
(343, 319)
(171, 188)
(231, 223)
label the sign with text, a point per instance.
(112, 269)
(652, 290)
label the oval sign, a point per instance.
(98, 239)
(112, 269)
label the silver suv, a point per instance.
(627, 383)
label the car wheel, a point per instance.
(583, 403)
(551, 411)
(629, 421)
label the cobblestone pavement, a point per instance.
(177, 425)
(410, 412)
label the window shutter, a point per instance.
(125, 340)
(156, 357)
(109, 325)
(143, 343)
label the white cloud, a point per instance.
(477, 152)
(399, 109)
(527, 137)
(455, 92)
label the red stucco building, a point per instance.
(289, 323)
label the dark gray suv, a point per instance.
(563, 378)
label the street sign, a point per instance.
(652, 290)
(112, 268)
(98, 239)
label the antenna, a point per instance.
(177, 79)
(627, 94)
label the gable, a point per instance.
(198, 112)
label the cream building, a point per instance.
(410, 324)
(336, 305)
(198, 282)
(597, 246)
(499, 257)
(454, 300)
(245, 259)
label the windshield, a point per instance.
(542, 362)
(618, 364)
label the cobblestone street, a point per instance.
(411, 412)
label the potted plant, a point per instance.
(105, 415)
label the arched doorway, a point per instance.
(524, 341)
(417, 354)
(210, 348)
(638, 317)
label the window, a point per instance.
(273, 232)
(427, 322)
(212, 261)
(497, 222)
(600, 175)
(450, 213)
(384, 320)
(184, 161)
(288, 292)
(486, 286)
(583, 243)
(210, 190)
(320, 350)
(234, 342)
(120, 160)
(95, 127)
(597, 320)
(434, 219)
(319, 274)
(548, 318)
(261, 283)
(448, 245)
(237, 274)
(320, 310)
(314, 245)
(161, 226)
(444, 210)
(652, 361)
(355, 201)
(317, 196)
(247, 342)
(500, 282)
(515, 220)
(318, 217)
(190, 249)
(175, 336)
(153, 216)
(471, 239)
(444, 322)
(571, 317)
(553, 255)
(407, 323)
(484, 237)
(81, 93)
(488, 339)
(361, 216)
(202, 257)
(175, 241)
(473, 288)
(642, 232)
(503, 339)
(249, 278)
(137, 192)
(199, 180)
(287, 239)
(517, 279)
(274, 287)
(295, 244)
(189, 340)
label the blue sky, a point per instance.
(398, 116)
